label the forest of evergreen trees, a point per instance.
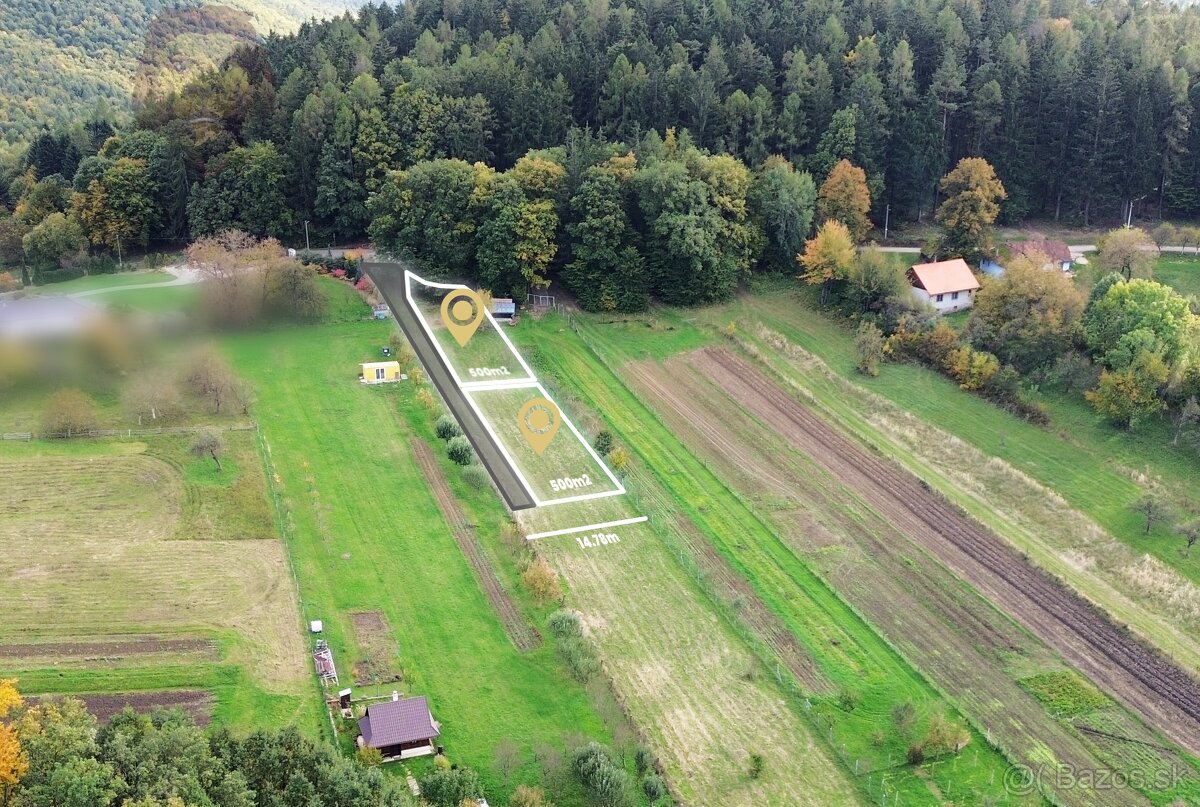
(1081, 108)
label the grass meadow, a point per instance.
(132, 542)
(1181, 271)
(678, 484)
(367, 536)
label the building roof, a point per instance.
(1057, 251)
(371, 365)
(407, 720)
(943, 277)
(503, 305)
(42, 317)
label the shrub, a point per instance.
(916, 754)
(564, 624)
(757, 763)
(619, 457)
(603, 443)
(644, 761)
(364, 284)
(458, 449)
(869, 348)
(8, 282)
(426, 399)
(849, 699)
(476, 476)
(654, 787)
(607, 783)
(370, 756)
(449, 788)
(69, 411)
(580, 660)
(526, 796)
(447, 427)
(541, 582)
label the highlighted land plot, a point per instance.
(487, 357)
(568, 470)
(489, 388)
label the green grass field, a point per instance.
(847, 651)
(565, 460)
(132, 542)
(366, 535)
(1181, 271)
(96, 282)
(485, 350)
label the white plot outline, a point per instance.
(572, 530)
(531, 377)
(467, 387)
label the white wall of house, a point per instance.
(948, 302)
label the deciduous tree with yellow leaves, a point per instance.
(13, 762)
(828, 257)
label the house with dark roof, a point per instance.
(401, 728)
(946, 285)
(1056, 252)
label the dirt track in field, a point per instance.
(752, 611)
(1163, 694)
(523, 635)
(959, 641)
(108, 651)
(198, 703)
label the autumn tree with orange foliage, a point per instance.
(845, 197)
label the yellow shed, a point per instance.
(380, 372)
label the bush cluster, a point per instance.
(459, 450)
(606, 781)
(447, 427)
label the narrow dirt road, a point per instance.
(1163, 694)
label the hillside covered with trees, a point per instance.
(67, 58)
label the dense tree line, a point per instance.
(55, 754)
(1079, 107)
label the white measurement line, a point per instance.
(515, 383)
(622, 522)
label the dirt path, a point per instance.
(523, 635)
(1160, 692)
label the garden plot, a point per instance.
(567, 470)
(487, 357)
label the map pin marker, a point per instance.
(539, 420)
(462, 313)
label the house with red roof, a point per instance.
(948, 286)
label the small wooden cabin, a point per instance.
(401, 728)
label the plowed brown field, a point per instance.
(1160, 692)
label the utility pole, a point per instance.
(306, 246)
(887, 214)
(120, 262)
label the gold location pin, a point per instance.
(462, 313)
(539, 420)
